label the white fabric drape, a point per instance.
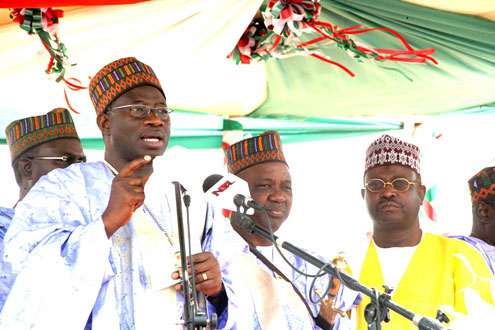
(186, 42)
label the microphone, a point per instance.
(246, 202)
(185, 195)
(210, 181)
(229, 192)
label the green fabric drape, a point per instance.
(299, 87)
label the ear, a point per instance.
(25, 168)
(362, 192)
(422, 192)
(103, 122)
(481, 209)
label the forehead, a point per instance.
(269, 170)
(389, 172)
(140, 94)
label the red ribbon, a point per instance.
(72, 87)
(383, 54)
(334, 63)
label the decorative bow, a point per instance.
(44, 23)
(284, 21)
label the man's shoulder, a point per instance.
(70, 181)
(474, 241)
(6, 212)
(454, 247)
(75, 174)
(79, 169)
(6, 215)
(448, 243)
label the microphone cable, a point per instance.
(318, 274)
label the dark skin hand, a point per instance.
(204, 263)
(126, 196)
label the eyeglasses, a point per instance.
(399, 184)
(142, 111)
(68, 158)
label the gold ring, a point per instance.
(205, 277)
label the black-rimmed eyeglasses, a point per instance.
(399, 184)
(68, 158)
(142, 111)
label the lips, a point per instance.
(276, 212)
(389, 205)
(152, 139)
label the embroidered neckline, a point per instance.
(111, 168)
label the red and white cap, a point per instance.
(389, 150)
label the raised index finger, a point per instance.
(130, 167)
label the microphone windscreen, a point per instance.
(211, 181)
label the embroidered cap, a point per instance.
(24, 134)
(267, 147)
(118, 77)
(388, 150)
(482, 184)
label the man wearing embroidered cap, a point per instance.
(40, 144)
(37, 145)
(482, 190)
(102, 252)
(271, 294)
(426, 272)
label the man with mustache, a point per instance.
(96, 244)
(426, 272)
(269, 293)
(482, 190)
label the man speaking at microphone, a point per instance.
(269, 293)
(95, 245)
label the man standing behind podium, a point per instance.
(427, 272)
(90, 248)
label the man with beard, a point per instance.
(482, 190)
(270, 294)
(95, 244)
(37, 145)
(426, 272)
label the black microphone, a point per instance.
(185, 195)
(247, 202)
(211, 181)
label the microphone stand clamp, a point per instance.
(376, 312)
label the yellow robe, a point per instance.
(438, 274)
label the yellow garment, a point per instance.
(438, 274)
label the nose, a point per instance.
(153, 120)
(388, 190)
(278, 195)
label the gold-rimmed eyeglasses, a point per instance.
(399, 184)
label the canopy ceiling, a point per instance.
(186, 43)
